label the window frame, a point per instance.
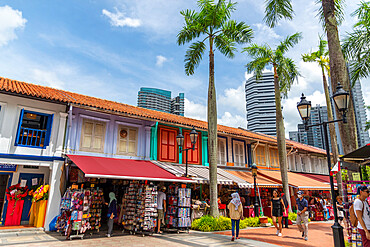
(242, 143)
(259, 157)
(219, 140)
(128, 128)
(274, 159)
(159, 145)
(49, 126)
(197, 147)
(102, 148)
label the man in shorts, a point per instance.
(161, 207)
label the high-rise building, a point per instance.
(260, 104)
(360, 113)
(314, 136)
(160, 100)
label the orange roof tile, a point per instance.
(48, 93)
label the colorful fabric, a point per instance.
(236, 200)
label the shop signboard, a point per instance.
(8, 168)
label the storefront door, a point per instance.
(3, 185)
(28, 202)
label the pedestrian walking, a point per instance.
(161, 207)
(362, 212)
(302, 215)
(286, 211)
(112, 212)
(235, 208)
(277, 209)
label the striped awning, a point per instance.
(200, 174)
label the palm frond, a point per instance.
(225, 45)
(255, 51)
(339, 6)
(360, 68)
(322, 46)
(239, 32)
(276, 10)
(289, 42)
(257, 66)
(309, 57)
(193, 56)
(288, 73)
(363, 15)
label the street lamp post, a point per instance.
(341, 100)
(180, 142)
(254, 174)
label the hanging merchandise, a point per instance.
(15, 195)
(141, 208)
(39, 204)
(80, 211)
(178, 208)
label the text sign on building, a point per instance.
(8, 168)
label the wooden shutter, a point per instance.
(193, 155)
(167, 141)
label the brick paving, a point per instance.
(193, 239)
(319, 234)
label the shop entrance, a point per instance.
(3, 185)
(28, 200)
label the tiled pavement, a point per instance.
(192, 239)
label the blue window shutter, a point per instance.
(19, 127)
(48, 132)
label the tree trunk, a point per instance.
(280, 134)
(333, 135)
(212, 133)
(339, 73)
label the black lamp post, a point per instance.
(254, 174)
(341, 100)
(180, 142)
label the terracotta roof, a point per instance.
(296, 180)
(261, 181)
(48, 93)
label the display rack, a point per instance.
(178, 209)
(80, 211)
(141, 208)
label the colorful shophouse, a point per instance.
(31, 144)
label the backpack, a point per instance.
(352, 216)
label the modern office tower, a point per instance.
(260, 104)
(177, 105)
(160, 100)
(360, 113)
(299, 136)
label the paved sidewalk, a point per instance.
(192, 239)
(319, 234)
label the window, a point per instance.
(221, 152)
(274, 157)
(167, 145)
(193, 155)
(34, 129)
(239, 157)
(127, 141)
(260, 156)
(93, 136)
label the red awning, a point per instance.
(318, 177)
(101, 167)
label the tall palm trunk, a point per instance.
(339, 73)
(280, 134)
(212, 133)
(333, 135)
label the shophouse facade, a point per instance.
(31, 145)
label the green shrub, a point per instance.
(292, 216)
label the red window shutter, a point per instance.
(193, 155)
(168, 145)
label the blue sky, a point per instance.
(109, 49)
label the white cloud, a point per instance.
(10, 21)
(118, 19)
(232, 120)
(264, 34)
(160, 61)
(195, 110)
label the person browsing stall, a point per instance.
(362, 212)
(112, 212)
(302, 215)
(161, 207)
(235, 208)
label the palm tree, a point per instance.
(285, 72)
(331, 15)
(321, 58)
(356, 44)
(213, 23)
